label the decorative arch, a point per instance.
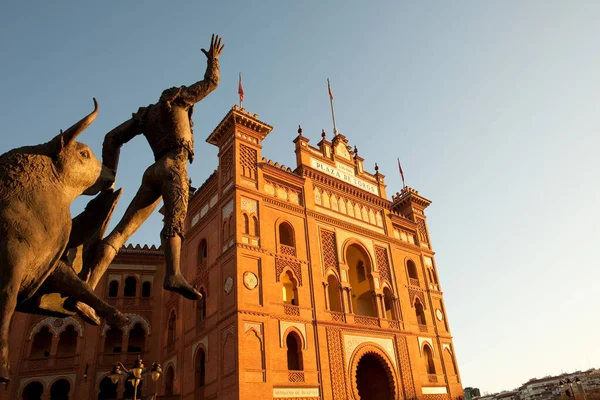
(349, 242)
(377, 351)
(62, 377)
(25, 384)
(300, 334)
(57, 325)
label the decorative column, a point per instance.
(325, 287)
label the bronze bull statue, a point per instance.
(37, 186)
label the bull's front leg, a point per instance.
(67, 283)
(9, 291)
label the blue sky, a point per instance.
(493, 108)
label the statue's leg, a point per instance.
(143, 204)
(65, 281)
(175, 193)
(10, 279)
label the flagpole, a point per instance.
(240, 94)
(401, 173)
(335, 132)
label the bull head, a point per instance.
(67, 137)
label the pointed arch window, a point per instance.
(169, 381)
(388, 302)
(294, 352)
(113, 341)
(246, 223)
(290, 288)
(363, 301)
(333, 291)
(413, 276)
(130, 287)
(146, 289)
(137, 339)
(420, 313)
(287, 242)
(200, 368)
(201, 307)
(255, 226)
(67, 342)
(113, 289)
(42, 342)
(429, 364)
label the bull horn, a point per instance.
(70, 134)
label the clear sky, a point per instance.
(493, 108)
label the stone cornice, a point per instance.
(344, 187)
(235, 116)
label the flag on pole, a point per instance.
(401, 172)
(241, 89)
(329, 90)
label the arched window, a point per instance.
(286, 234)
(420, 313)
(246, 224)
(146, 289)
(290, 289)
(130, 287)
(200, 368)
(429, 364)
(169, 381)
(412, 271)
(294, 352)
(33, 391)
(171, 328)
(67, 342)
(113, 341)
(201, 307)
(60, 390)
(202, 251)
(113, 289)
(256, 230)
(333, 291)
(363, 301)
(42, 342)
(137, 339)
(389, 304)
(108, 390)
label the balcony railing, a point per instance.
(413, 282)
(364, 320)
(337, 316)
(432, 378)
(394, 324)
(291, 310)
(422, 328)
(51, 363)
(287, 250)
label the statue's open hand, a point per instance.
(215, 48)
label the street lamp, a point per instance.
(570, 382)
(134, 375)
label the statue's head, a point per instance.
(76, 165)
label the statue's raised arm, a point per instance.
(196, 92)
